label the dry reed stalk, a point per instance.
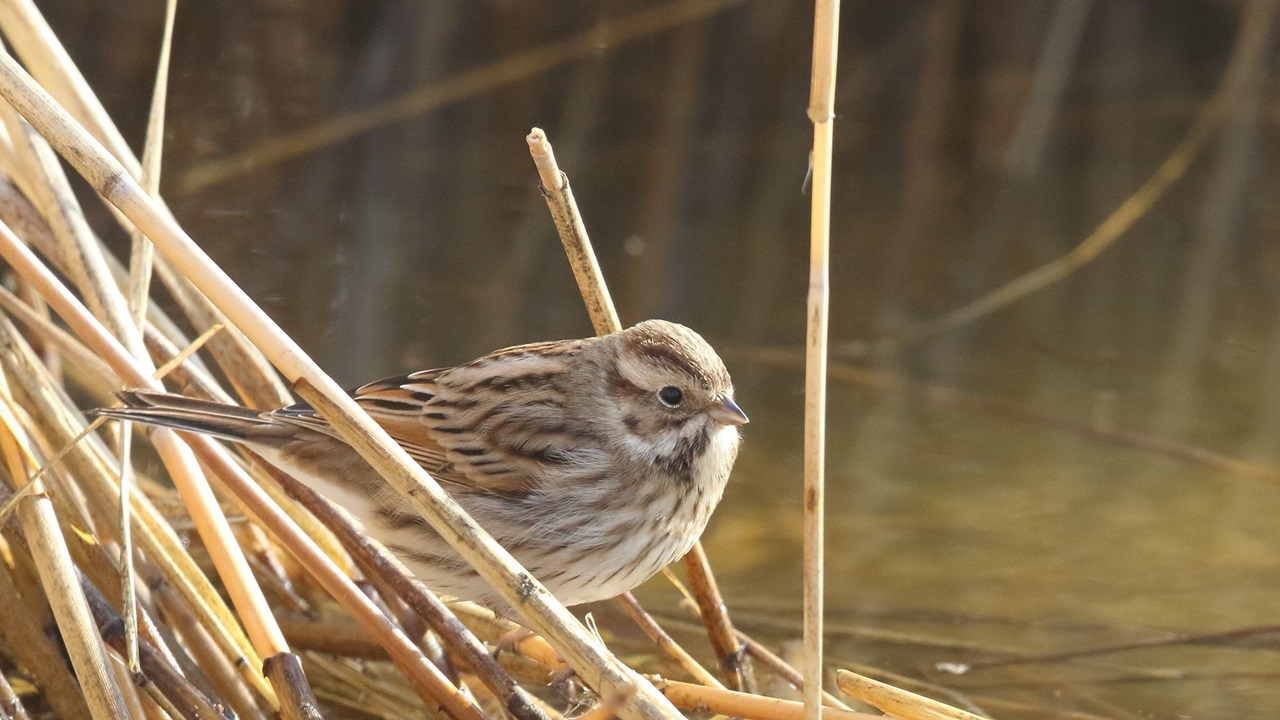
(58, 575)
(162, 548)
(263, 634)
(22, 630)
(376, 561)
(826, 28)
(38, 46)
(554, 186)
(745, 705)
(665, 642)
(206, 653)
(543, 613)
(285, 673)
(896, 702)
(157, 676)
(141, 251)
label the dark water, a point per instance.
(1045, 479)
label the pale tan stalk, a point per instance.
(59, 578)
(21, 630)
(426, 675)
(42, 52)
(52, 195)
(897, 702)
(168, 445)
(67, 346)
(259, 623)
(573, 234)
(744, 705)
(822, 92)
(543, 613)
(93, 466)
(141, 251)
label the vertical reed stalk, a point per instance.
(554, 185)
(826, 25)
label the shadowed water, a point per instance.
(1050, 478)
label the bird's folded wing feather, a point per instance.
(495, 425)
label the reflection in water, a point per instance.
(976, 142)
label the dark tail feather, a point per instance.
(229, 422)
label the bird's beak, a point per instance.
(728, 413)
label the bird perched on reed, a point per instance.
(595, 462)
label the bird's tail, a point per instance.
(229, 422)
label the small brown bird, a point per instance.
(595, 462)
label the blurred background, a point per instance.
(1016, 501)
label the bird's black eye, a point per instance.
(671, 396)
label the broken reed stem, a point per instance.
(573, 234)
(744, 705)
(554, 185)
(896, 702)
(285, 673)
(375, 560)
(542, 612)
(826, 25)
(59, 578)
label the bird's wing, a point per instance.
(495, 425)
